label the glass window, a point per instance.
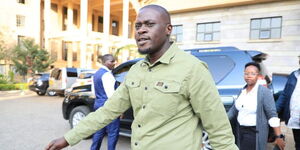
(20, 21)
(265, 28)
(177, 33)
(72, 72)
(21, 1)
(219, 69)
(208, 31)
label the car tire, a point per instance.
(51, 93)
(205, 141)
(40, 93)
(77, 114)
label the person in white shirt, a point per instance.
(104, 85)
(254, 109)
(288, 104)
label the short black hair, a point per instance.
(105, 57)
(253, 64)
(161, 9)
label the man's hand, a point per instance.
(280, 143)
(57, 144)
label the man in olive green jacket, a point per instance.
(172, 94)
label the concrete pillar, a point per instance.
(83, 30)
(70, 54)
(47, 9)
(106, 26)
(125, 18)
(70, 16)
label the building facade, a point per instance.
(74, 32)
(270, 26)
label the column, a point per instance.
(83, 30)
(70, 54)
(106, 25)
(47, 9)
(125, 18)
(70, 16)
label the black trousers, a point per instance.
(296, 133)
(247, 137)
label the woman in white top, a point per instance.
(254, 111)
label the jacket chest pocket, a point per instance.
(165, 99)
(135, 93)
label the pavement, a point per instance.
(5, 95)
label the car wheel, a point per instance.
(205, 141)
(40, 93)
(51, 93)
(77, 114)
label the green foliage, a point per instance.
(30, 58)
(19, 86)
(11, 76)
(7, 87)
(3, 79)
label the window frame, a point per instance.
(177, 33)
(208, 32)
(261, 29)
(20, 21)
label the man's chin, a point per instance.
(144, 51)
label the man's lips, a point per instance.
(142, 40)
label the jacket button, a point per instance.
(135, 143)
(139, 126)
(146, 88)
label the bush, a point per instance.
(19, 86)
(7, 87)
(3, 79)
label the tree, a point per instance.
(29, 58)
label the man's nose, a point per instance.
(142, 30)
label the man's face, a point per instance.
(110, 63)
(151, 31)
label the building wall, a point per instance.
(235, 29)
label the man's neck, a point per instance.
(155, 56)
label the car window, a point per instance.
(72, 72)
(85, 75)
(56, 73)
(218, 65)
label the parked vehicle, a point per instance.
(40, 83)
(226, 65)
(84, 81)
(63, 78)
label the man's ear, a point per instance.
(169, 29)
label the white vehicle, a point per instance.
(84, 81)
(62, 78)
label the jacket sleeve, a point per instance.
(280, 103)
(118, 103)
(232, 112)
(268, 102)
(207, 105)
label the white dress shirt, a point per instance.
(108, 81)
(246, 104)
(294, 121)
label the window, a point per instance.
(115, 28)
(21, 1)
(219, 69)
(64, 51)
(20, 21)
(265, 28)
(207, 32)
(177, 33)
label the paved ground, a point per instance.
(29, 121)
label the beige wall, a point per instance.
(235, 28)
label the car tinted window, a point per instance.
(45, 76)
(85, 75)
(219, 66)
(56, 74)
(72, 72)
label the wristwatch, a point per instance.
(279, 136)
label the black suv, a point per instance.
(225, 63)
(40, 83)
